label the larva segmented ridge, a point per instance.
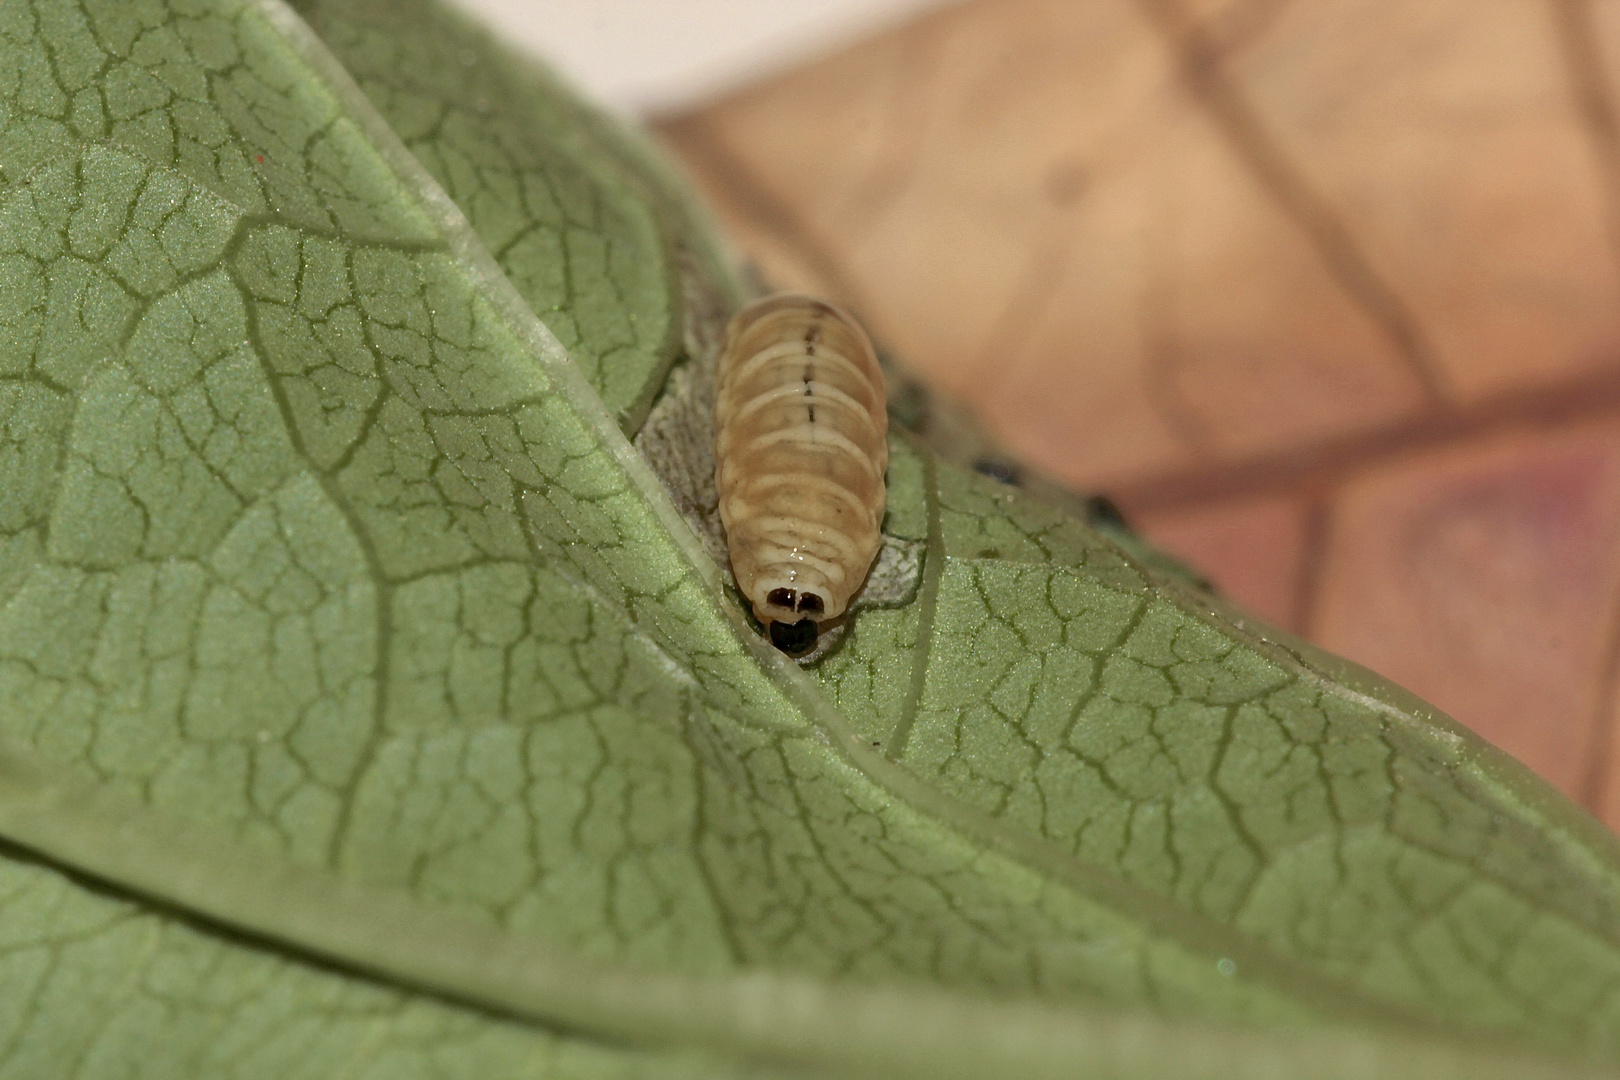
(800, 452)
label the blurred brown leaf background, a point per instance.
(1323, 292)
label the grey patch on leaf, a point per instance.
(704, 311)
(677, 441)
(677, 438)
(896, 574)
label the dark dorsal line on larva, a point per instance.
(801, 485)
(811, 336)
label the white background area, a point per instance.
(651, 57)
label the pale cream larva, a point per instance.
(800, 453)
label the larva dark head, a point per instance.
(795, 639)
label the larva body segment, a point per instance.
(800, 452)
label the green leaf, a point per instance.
(369, 706)
(582, 220)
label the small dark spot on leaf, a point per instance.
(1002, 472)
(1103, 513)
(989, 553)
